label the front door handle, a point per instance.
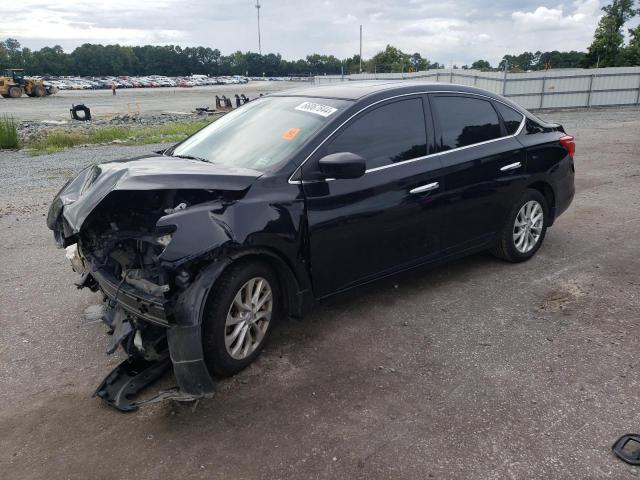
(425, 188)
(511, 166)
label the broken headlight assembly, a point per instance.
(164, 239)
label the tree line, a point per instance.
(608, 49)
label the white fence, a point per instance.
(533, 90)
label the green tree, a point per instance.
(630, 55)
(352, 64)
(608, 38)
(48, 61)
(391, 59)
(556, 59)
(13, 53)
(418, 63)
(4, 57)
(483, 65)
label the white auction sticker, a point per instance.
(317, 108)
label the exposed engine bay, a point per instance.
(121, 237)
(150, 234)
(121, 245)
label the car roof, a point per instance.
(379, 89)
(355, 90)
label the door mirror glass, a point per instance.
(342, 165)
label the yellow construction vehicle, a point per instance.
(13, 84)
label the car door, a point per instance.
(483, 167)
(386, 220)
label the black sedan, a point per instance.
(199, 250)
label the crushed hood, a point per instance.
(77, 199)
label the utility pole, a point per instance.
(259, 44)
(504, 80)
(360, 48)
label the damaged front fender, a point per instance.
(185, 336)
(195, 231)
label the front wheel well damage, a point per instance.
(185, 335)
(294, 295)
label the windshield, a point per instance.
(261, 134)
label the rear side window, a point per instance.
(465, 121)
(510, 117)
(388, 134)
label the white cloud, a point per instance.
(448, 32)
(346, 20)
(586, 12)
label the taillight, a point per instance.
(567, 141)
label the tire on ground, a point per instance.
(221, 296)
(15, 92)
(85, 113)
(505, 246)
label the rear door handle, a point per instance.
(425, 188)
(511, 166)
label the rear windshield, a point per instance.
(261, 134)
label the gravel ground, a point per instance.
(145, 100)
(22, 173)
(477, 369)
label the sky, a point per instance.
(457, 32)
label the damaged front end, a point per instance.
(150, 234)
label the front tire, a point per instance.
(524, 229)
(15, 92)
(239, 315)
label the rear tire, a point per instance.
(523, 231)
(234, 307)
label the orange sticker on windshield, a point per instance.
(290, 134)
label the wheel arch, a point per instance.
(185, 336)
(550, 196)
(296, 293)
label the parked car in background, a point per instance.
(152, 81)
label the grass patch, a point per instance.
(8, 133)
(174, 132)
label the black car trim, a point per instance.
(522, 122)
(136, 303)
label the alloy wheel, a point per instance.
(528, 226)
(248, 318)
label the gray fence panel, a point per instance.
(570, 84)
(547, 89)
(613, 98)
(527, 101)
(524, 86)
(489, 84)
(565, 100)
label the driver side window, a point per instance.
(388, 134)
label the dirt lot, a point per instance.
(477, 369)
(145, 100)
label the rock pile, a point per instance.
(30, 130)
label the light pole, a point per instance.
(259, 44)
(360, 48)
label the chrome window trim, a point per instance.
(383, 167)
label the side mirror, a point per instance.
(342, 165)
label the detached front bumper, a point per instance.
(182, 319)
(143, 306)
